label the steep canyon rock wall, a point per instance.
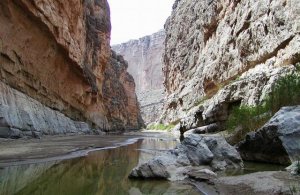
(222, 53)
(144, 58)
(58, 54)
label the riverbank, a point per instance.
(57, 147)
(61, 147)
(22, 159)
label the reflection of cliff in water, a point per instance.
(102, 172)
(14, 179)
(153, 147)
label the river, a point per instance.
(100, 172)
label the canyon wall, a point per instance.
(223, 53)
(57, 54)
(144, 57)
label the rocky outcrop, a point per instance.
(209, 44)
(249, 89)
(195, 150)
(144, 58)
(277, 141)
(58, 54)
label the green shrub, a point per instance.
(286, 92)
(161, 127)
(247, 119)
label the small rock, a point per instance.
(202, 175)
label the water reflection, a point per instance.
(102, 172)
(252, 167)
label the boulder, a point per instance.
(195, 150)
(278, 141)
(155, 168)
(202, 175)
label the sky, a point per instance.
(133, 19)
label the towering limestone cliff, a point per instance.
(144, 58)
(57, 68)
(224, 53)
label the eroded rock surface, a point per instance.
(278, 141)
(58, 54)
(209, 44)
(249, 89)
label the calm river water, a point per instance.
(101, 172)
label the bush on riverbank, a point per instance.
(244, 119)
(286, 92)
(161, 127)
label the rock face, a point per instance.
(276, 142)
(59, 55)
(151, 104)
(195, 150)
(144, 58)
(209, 44)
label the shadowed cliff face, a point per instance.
(211, 43)
(57, 53)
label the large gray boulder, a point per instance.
(278, 141)
(202, 151)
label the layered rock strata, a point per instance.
(58, 54)
(209, 44)
(144, 58)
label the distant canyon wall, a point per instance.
(58, 55)
(144, 57)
